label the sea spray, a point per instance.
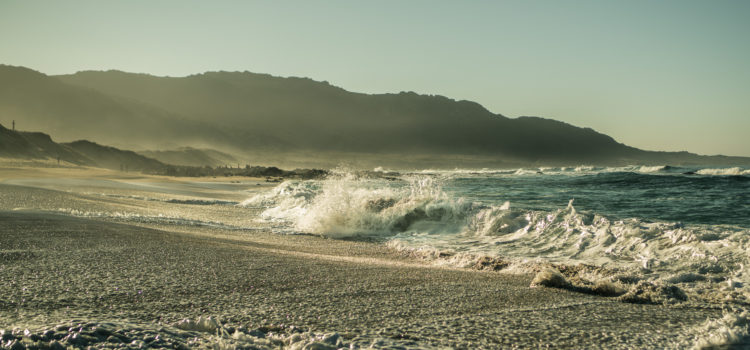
(346, 205)
(432, 216)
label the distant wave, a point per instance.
(171, 200)
(647, 169)
(723, 171)
(654, 169)
(578, 170)
(445, 172)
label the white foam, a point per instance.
(142, 218)
(523, 171)
(418, 217)
(724, 171)
(345, 205)
(668, 252)
(584, 168)
(192, 201)
(569, 171)
(730, 331)
(652, 169)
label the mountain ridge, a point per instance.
(428, 115)
(274, 119)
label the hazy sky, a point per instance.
(659, 75)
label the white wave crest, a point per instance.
(724, 171)
(705, 260)
(584, 168)
(568, 236)
(522, 171)
(345, 205)
(652, 169)
(569, 171)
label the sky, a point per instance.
(657, 75)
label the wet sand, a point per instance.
(60, 270)
(128, 280)
(24, 169)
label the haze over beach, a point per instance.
(252, 175)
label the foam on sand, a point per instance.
(203, 332)
(731, 331)
(141, 218)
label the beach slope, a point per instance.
(61, 271)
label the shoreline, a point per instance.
(75, 268)
(19, 168)
(86, 248)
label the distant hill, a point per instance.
(192, 157)
(37, 145)
(299, 121)
(113, 158)
(13, 144)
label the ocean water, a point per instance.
(661, 225)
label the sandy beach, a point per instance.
(374, 175)
(93, 281)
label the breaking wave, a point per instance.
(724, 171)
(416, 215)
(346, 205)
